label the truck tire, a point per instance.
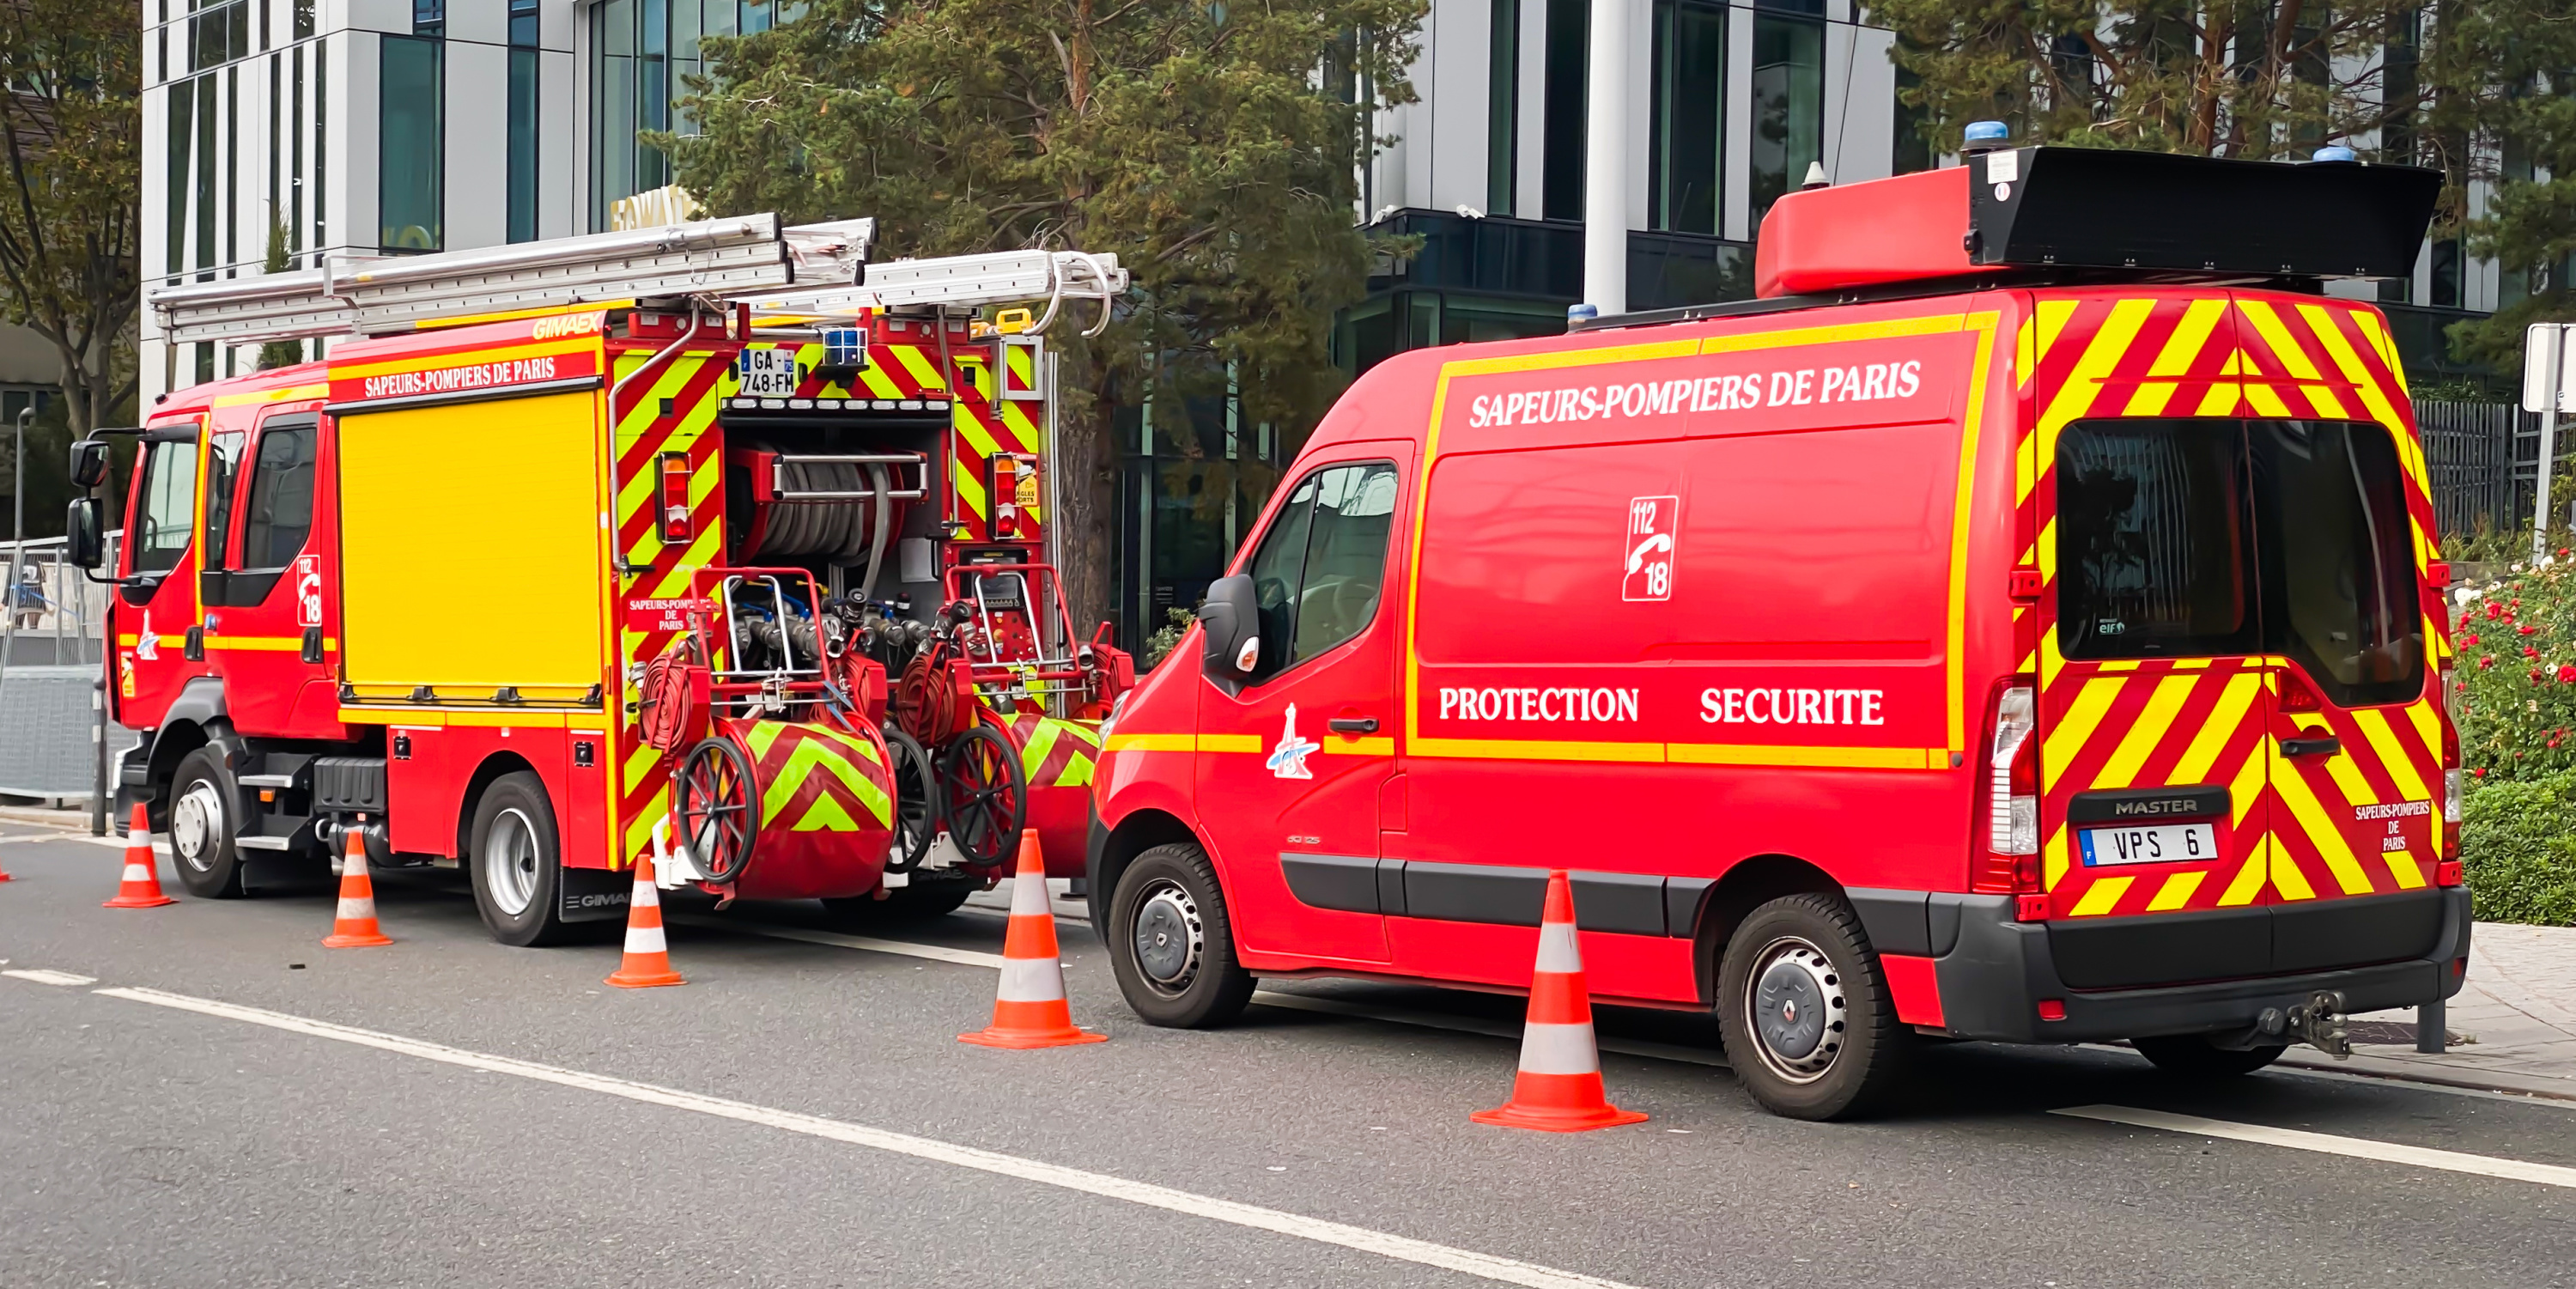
(1171, 944)
(920, 901)
(204, 817)
(1805, 1012)
(516, 862)
(2193, 1056)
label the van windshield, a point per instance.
(2181, 538)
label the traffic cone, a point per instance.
(1030, 1010)
(648, 955)
(355, 926)
(1559, 1085)
(140, 887)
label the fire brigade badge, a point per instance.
(1288, 755)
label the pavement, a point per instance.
(201, 1095)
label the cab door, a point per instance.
(2355, 740)
(1292, 766)
(155, 609)
(265, 610)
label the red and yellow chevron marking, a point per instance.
(1054, 753)
(643, 432)
(2303, 828)
(817, 779)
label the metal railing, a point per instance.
(54, 615)
(2479, 459)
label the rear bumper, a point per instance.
(1998, 972)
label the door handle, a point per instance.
(2326, 746)
(1353, 724)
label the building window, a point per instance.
(1687, 145)
(1913, 144)
(207, 160)
(1788, 105)
(304, 19)
(2446, 292)
(429, 18)
(183, 102)
(1503, 108)
(411, 174)
(643, 53)
(523, 121)
(1569, 32)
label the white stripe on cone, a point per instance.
(357, 907)
(646, 939)
(135, 872)
(644, 896)
(1558, 1049)
(1031, 980)
(1556, 949)
(1029, 897)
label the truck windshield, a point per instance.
(165, 510)
(2181, 538)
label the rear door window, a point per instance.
(2153, 529)
(2338, 559)
(2196, 538)
(280, 507)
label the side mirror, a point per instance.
(1231, 631)
(85, 545)
(89, 463)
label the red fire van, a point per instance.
(2020, 622)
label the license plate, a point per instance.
(2150, 844)
(765, 373)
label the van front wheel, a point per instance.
(1805, 1012)
(1171, 944)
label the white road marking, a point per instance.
(1483, 1265)
(934, 952)
(1264, 997)
(44, 977)
(2329, 1144)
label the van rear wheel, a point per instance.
(1805, 1012)
(1171, 944)
(2193, 1056)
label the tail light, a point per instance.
(2009, 864)
(675, 497)
(2454, 785)
(2297, 695)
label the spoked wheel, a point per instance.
(916, 801)
(985, 795)
(715, 808)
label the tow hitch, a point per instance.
(2320, 1022)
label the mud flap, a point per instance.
(594, 894)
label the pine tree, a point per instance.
(1212, 146)
(278, 353)
(2506, 74)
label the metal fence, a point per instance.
(2478, 457)
(53, 644)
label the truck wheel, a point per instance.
(515, 862)
(1805, 1012)
(205, 817)
(918, 902)
(2193, 1056)
(1171, 944)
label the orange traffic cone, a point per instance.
(648, 955)
(140, 887)
(1030, 1010)
(355, 926)
(1559, 1085)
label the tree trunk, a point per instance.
(1086, 467)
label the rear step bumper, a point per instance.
(1999, 971)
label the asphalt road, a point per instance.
(243, 1107)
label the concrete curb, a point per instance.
(2402, 1071)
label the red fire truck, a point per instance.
(2020, 622)
(713, 541)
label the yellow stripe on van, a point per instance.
(2147, 732)
(2291, 789)
(2248, 882)
(2226, 718)
(2103, 896)
(2176, 891)
(2076, 729)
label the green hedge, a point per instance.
(2518, 842)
